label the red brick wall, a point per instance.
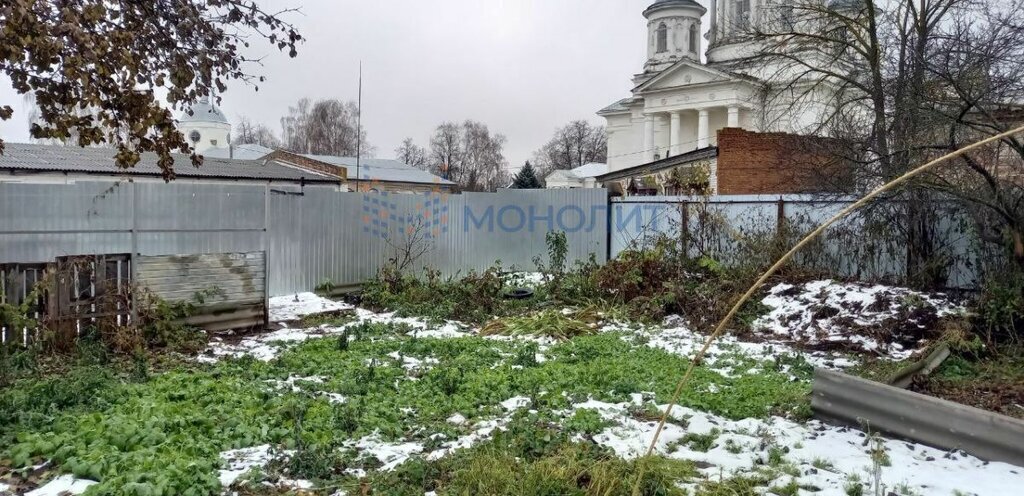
(767, 163)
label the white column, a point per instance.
(714, 22)
(734, 116)
(648, 138)
(703, 129)
(673, 138)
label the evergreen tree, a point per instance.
(526, 178)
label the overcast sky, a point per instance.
(523, 67)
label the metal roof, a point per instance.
(659, 165)
(204, 111)
(617, 107)
(248, 151)
(56, 158)
(668, 4)
(378, 169)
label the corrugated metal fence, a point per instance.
(731, 227)
(311, 235)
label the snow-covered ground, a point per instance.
(294, 307)
(881, 320)
(813, 455)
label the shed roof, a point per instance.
(57, 158)
(379, 169)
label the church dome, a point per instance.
(204, 111)
(669, 4)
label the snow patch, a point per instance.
(240, 461)
(515, 403)
(851, 314)
(389, 454)
(294, 307)
(64, 485)
(525, 279)
(721, 356)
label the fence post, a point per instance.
(133, 259)
(780, 218)
(684, 228)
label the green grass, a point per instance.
(163, 435)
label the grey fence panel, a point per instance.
(848, 400)
(310, 235)
(200, 207)
(718, 226)
(83, 206)
(39, 222)
(322, 236)
(233, 286)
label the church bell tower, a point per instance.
(673, 33)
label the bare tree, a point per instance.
(324, 127)
(577, 143)
(469, 155)
(247, 132)
(412, 154)
(900, 82)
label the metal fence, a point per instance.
(730, 227)
(311, 235)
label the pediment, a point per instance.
(684, 73)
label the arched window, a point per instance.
(694, 39)
(662, 38)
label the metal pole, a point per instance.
(359, 124)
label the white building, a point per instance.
(206, 127)
(580, 177)
(679, 103)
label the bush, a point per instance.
(475, 298)
(1000, 307)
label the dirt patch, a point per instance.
(1006, 398)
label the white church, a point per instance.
(681, 100)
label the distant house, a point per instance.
(210, 133)
(57, 164)
(580, 177)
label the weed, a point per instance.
(733, 447)
(853, 486)
(701, 442)
(573, 469)
(777, 455)
(586, 421)
(790, 489)
(548, 323)
(474, 298)
(822, 464)
(325, 287)
(329, 319)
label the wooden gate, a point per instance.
(67, 297)
(17, 285)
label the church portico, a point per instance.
(673, 131)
